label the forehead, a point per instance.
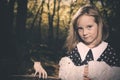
(85, 20)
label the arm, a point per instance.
(39, 70)
(111, 73)
(63, 68)
(68, 71)
(102, 71)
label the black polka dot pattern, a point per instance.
(75, 57)
(109, 56)
(89, 57)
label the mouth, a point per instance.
(86, 37)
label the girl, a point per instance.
(89, 56)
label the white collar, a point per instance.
(97, 51)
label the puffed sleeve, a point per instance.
(68, 71)
(102, 71)
(111, 73)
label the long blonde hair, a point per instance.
(90, 10)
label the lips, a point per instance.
(85, 37)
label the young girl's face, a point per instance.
(87, 29)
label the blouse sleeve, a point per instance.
(102, 71)
(111, 73)
(96, 69)
(65, 66)
(68, 71)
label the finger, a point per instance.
(35, 73)
(45, 74)
(39, 74)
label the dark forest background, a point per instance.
(38, 27)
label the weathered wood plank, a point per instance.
(31, 77)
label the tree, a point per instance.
(38, 15)
(50, 21)
(7, 41)
(21, 21)
(58, 21)
(21, 40)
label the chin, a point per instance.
(87, 43)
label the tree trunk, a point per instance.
(58, 23)
(51, 18)
(21, 20)
(22, 50)
(7, 56)
(40, 21)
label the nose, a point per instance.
(85, 32)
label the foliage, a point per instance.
(40, 15)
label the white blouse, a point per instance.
(97, 51)
(98, 70)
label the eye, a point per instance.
(79, 28)
(89, 26)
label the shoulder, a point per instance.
(111, 51)
(73, 54)
(75, 57)
(65, 63)
(65, 60)
(113, 58)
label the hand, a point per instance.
(40, 70)
(86, 73)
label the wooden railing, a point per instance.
(31, 77)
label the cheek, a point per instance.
(95, 33)
(80, 34)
